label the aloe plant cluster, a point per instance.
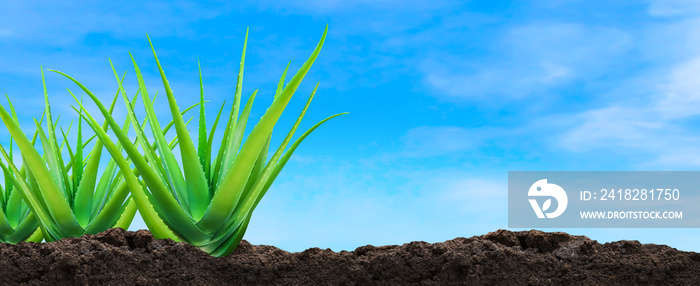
(206, 198)
(62, 196)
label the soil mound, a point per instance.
(119, 257)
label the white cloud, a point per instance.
(529, 60)
(613, 127)
(427, 141)
(64, 23)
(682, 156)
(645, 111)
(655, 124)
(477, 194)
(343, 6)
(679, 96)
(502, 81)
(670, 8)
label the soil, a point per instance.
(119, 257)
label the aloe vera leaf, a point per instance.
(283, 161)
(14, 206)
(22, 170)
(233, 241)
(12, 109)
(86, 186)
(68, 179)
(207, 163)
(57, 202)
(172, 175)
(24, 209)
(51, 148)
(277, 167)
(65, 143)
(37, 236)
(8, 187)
(38, 207)
(48, 237)
(83, 199)
(202, 138)
(8, 183)
(69, 189)
(239, 82)
(222, 203)
(216, 173)
(4, 193)
(172, 143)
(257, 170)
(52, 161)
(234, 143)
(107, 182)
(149, 215)
(111, 211)
(85, 144)
(224, 233)
(36, 132)
(280, 84)
(153, 147)
(232, 120)
(197, 187)
(110, 181)
(112, 189)
(11, 205)
(127, 214)
(58, 209)
(5, 227)
(69, 165)
(170, 124)
(31, 183)
(137, 127)
(174, 215)
(261, 159)
(270, 172)
(25, 229)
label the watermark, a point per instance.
(603, 199)
(542, 189)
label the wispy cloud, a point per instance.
(65, 23)
(658, 122)
(679, 95)
(427, 141)
(528, 60)
(343, 8)
(670, 8)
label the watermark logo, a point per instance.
(542, 189)
(603, 199)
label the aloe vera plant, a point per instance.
(17, 222)
(205, 202)
(64, 196)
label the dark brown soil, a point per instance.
(118, 257)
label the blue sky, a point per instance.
(444, 97)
